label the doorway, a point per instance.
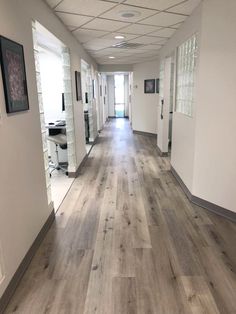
(119, 95)
(56, 117)
(166, 104)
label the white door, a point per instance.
(164, 106)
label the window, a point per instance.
(186, 65)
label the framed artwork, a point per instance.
(78, 86)
(13, 75)
(149, 86)
(157, 85)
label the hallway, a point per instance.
(127, 240)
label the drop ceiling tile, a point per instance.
(73, 19)
(176, 26)
(116, 12)
(86, 7)
(114, 50)
(164, 32)
(144, 40)
(96, 44)
(186, 7)
(71, 28)
(151, 47)
(53, 3)
(84, 35)
(164, 19)
(139, 29)
(154, 4)
(101, 24)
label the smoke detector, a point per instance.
(129, 14)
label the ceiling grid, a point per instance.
(145, 26)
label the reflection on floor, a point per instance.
(60, 185)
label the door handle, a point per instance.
(162, 105)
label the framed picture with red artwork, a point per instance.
(13, 75)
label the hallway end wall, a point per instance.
(144, 106)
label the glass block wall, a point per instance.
(41, 110)
(186, 66)
(69, 114)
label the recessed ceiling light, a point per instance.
(129, 14)
(111, 57)
(119, 37)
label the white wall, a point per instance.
(215, 149)
(203, 150)
(144, 106)
(23, 202)
(183, 131)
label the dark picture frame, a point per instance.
(157, 86)
(78, 88)
(149, 86)
(13, 75)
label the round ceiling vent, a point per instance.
(129, 14)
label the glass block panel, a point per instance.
(44, 139)
(36, 58)
(186, 67)
(46, 160)
(38, 78)
(42, 121)
(40, 100)
(66, 72)
(67, 85)
(66, 59)
(47, 178)
(68, 98)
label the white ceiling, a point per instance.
(95, 23)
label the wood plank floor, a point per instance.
(127, 240)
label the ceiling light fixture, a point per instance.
(111, 57)
(119, 37)
(129, 14)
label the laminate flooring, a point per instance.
(127, 240)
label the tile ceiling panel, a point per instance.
(95, 23)
(164, 32)
(144, 40)
(86, 7)
(73, 19)
(99, 43)
(85, 35)
(164, 19)
(104, 25)
(138, 29)
(154, 4)
(186, 7)
(116, 12)
(53, 3)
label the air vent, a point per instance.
(127, 45)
